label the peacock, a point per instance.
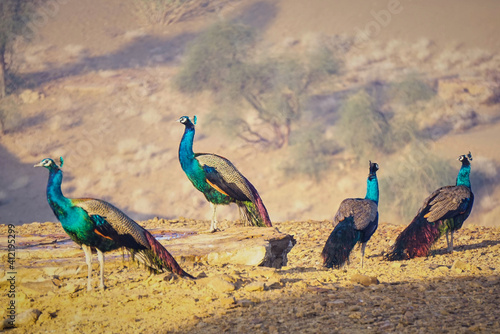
(443, 212)
(219, 180)
(356, 221)
(93, 223)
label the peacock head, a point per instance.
(465, 159)
(373, 168)
(50, 164)
(187, 122)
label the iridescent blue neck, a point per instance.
(372, 188)
(186, 154)
(55, 197)
(463, 176)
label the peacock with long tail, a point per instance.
(356, 221)
(93, 223)
(219, 180)
(443, 212)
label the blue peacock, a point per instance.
(219, 180)
(93, 223)
(356, 221)
(443, 212)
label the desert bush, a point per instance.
(311, 153)
(323, 62)
(362, 128)
(273, 89)
(10, 116)
(216, 60)
(166, 12)
(15, 15)
(412, 176)
(410, 90)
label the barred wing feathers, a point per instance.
(114, 224)
(363, 212)
(222, 175)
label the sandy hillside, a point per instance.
(101, 96)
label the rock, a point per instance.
(227, 301)
(274, 284)
(26, 318)
(460, 266)
(217, 284)
(442, 268)
(238, 246)
(364, 279)
(244, 303)
(255, 286)
(355, 315)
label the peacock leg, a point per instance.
(450, 246)
(88, 259)
(100, 256)
(213, 226)
(447, 240)
(363, 245)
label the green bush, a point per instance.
(10, 117)
(323, 61)
(410, 90)
(311, 153)
(272, 89)
(216, 59)
(411, 177)
(362, 128)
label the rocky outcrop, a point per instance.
(245, 245)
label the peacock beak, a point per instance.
(38, 165)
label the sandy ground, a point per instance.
(448, 293)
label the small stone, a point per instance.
(28, 317)
(255, 286)
(475, 328)
(364, 279)
(72, 287)
(244, 303)
(217, 284)
(355, 315)
(227, 301)
(442, 268)
(337, 302)
(460, 266)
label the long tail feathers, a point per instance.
(251, 214)
(416, 240)
(255, 212)
(158, 258)
(340, 244)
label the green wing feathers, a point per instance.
(119, 221)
